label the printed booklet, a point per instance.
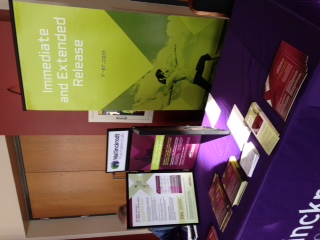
(220, 203)
(287, 74)
(234, 181)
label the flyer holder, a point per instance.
(156, 148)
(162, 198)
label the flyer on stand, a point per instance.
(155, 148)
(159, 152)
(161, 199)
(129, 151)
(287, 74)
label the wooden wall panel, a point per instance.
(66, 176)
(64, 194)
(63, 153)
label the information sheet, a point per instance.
(161, 198)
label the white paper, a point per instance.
(212, 110)
(238, 127)
(162, 198)
(249, 158)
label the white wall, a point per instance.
(12, 226)
(4, 4)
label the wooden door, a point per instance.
(66, 176)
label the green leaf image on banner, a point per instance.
(89, 59)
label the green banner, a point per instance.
(89, 59)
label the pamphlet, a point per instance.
(287, 74)
(220, 203)
(262, 128)
(234, 181)
(249, 158)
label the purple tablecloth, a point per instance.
(288, 180)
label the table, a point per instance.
(288, 180)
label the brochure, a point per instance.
(262, 128)
(234, 181)
(220, 203)
(287, 74)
